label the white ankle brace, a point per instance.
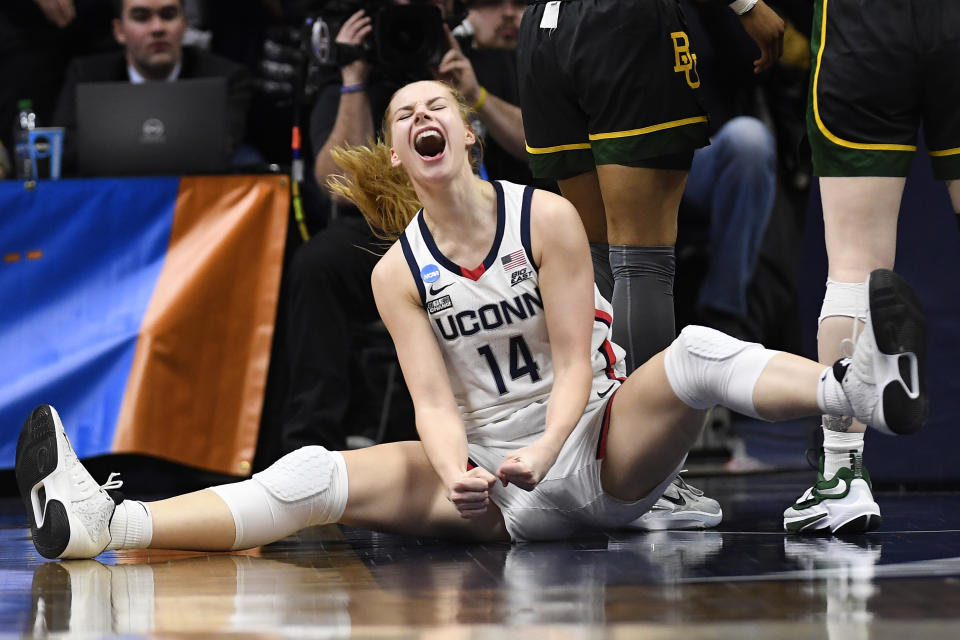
(847, 299)
(706, 368)
(304, 488)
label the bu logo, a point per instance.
(684, 59)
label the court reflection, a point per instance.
(898, 582)
(319, 580)
(322, 584)
(332, 582)
(223, 593)
(842, 573)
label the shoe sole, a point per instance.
(37, 460)
(860, 524)
(857, 524)
(694, 521)
(899, 328)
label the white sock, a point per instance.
(837, 446)
(831, 398)
(131, 526)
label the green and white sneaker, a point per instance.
(842, 504)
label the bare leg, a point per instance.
(860, 229)
(651, 429)
(641, 204)
(584, 192)
(627, 205)
(787, 388)
(392, 487)
(953, 188)
(198, 521)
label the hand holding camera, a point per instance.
(351, 34)
(393, 37)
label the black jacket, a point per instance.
(112, 67)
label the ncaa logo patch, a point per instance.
(430, 273)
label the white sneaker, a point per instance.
(69, 513)
(680, 507)
(885, 381)
(842, 504)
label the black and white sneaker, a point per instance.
(885, 380)
(69, 513)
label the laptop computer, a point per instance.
(154, 128)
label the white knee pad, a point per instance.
(846, 299)
(706, 368)
(303, 488)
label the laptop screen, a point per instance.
(153, 128)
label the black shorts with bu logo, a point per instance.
(880, 70)
(614, 83)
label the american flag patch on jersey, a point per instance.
(513, 260)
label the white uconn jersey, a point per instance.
(489, 320)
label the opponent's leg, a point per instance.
(641, 206)
(634, 210)
(953, 188)
(583, 191)
(860, 223)
(885, 386)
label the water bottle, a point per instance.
(26, 120)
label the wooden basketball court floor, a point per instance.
(746, 579)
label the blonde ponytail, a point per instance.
(382, 192)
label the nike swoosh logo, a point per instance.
(434, 292)
(679, 500)
(603, 394)
(798, 525)
(839, 489)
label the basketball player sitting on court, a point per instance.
(527, 430)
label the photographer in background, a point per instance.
(329, 298)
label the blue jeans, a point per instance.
(734, 179)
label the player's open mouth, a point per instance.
(430, 144)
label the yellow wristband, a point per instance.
(479, 103)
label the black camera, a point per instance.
(404, 37)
